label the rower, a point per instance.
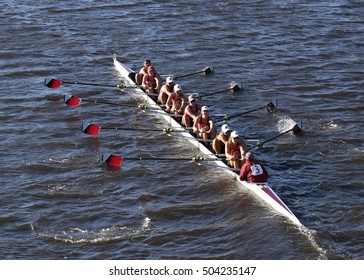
(235, 150)
(143, 71)
(177, 100)
(218, 144)
(204, 125)
(151, 82)
(166, 90)
(252, 170)
(191, 111)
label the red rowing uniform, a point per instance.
(253, 172)
(234, 149)
(150, 81)
(177, 101)
(204, 124)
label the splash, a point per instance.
(146, 224)
(232, 83)
(78, 235)
(310, 234)
(285, 123)
(65, 160)
(331, 125)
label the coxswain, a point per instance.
(235, 150)
(252, 170)
(151, 82)
(218, 144)
(204, 125)
(166, 90)
(177, 100)
(191, 111)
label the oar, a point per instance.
(74, 101)
(206, 70)
(234, 88)
(295, 129)
(270, 108)
(94, 129)
(54, 83)
(115, 160)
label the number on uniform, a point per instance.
(256, 169)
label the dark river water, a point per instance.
(58, 201)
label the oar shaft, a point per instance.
(108, 103)
(89, 84)
(156, 158)
(279, 135)
(187, 75)
(216, 92)
(115, 160)
(206, 70)
(132, 129)
(196, 159)
(233, 88)
(246, 112)
(295, 129)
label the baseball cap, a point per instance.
(225, 128)
(177, 87)
(169, 79)
(234, 134)
(191, 98)
(204, 108)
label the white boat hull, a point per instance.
(262, 190)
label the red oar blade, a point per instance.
(112, 160)
(53, 83)
(91, 129)
(72, 101)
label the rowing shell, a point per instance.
(262, 190)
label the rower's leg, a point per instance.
(216, 145)
(138, 78)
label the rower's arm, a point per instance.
(158, 83)
(195, 124)
(243, 148)
(189, 113)
(243, 174)
(144, 85)
(169, 101)
(227, 150)
(212, 125)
